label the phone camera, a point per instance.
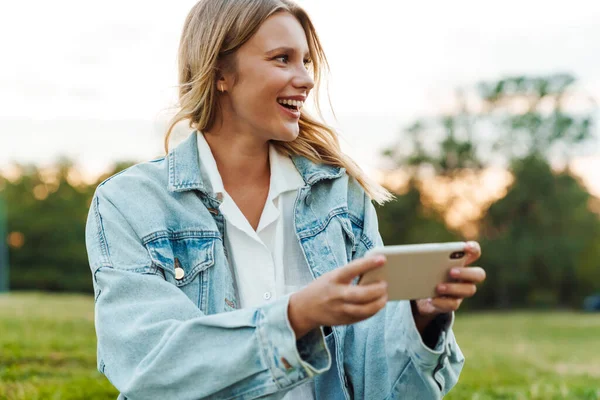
(457, 255)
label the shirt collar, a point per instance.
(185, 172)
(284, 175)
(207, 160)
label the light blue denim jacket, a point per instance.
(165, 338)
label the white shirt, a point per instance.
(268, 262)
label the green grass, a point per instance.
(553, 355)
(48, 351)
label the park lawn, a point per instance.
(48, 351)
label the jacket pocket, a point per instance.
(185, 262)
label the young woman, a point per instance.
(225, 270)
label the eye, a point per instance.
(307, 62)
(284, 58)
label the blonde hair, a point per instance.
(213, 31)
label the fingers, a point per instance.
(445, 304)
(468, 274)
(473, 251)
(460, 290)
(359, 312)
(363, 294)
(358, 267)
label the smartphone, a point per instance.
(414, 271)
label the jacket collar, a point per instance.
(185, 172)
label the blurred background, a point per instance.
(482, 118)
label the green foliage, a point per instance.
(453, 151)
(535, 237)
(49, 209)
(405, 221)
(541, 241)
(531, 118)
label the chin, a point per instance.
(287, 134)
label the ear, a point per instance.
(222, 84)
(226, 75)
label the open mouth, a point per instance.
(293, 105)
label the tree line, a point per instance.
(540, 235)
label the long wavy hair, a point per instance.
(213, 31)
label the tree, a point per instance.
(406, 220)
(47, 213)
(535, 237)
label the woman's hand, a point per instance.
(451, 294)
(332, 300)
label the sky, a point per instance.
(95, 81)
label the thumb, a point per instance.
(358, 267)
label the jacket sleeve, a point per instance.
(154, 343)
(394, 348)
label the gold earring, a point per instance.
(222, 88)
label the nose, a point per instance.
(303, 79)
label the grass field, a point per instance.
(47, 351)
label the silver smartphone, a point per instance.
(414, 271)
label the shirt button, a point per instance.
(267, 295)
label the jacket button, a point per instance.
(179, 272)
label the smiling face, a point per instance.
(264, 94)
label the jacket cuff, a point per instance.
(420, 353)
(291, 361)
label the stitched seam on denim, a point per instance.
(172, 169)
(339, 358)
(356, 220)
(366, 241)
(331, 215)
(187, 185)
(321, 176)
(177, 235)
(349, 233)
(200, 267)
(109, 261)
(321, 227)
(267, 353)
(101, 236)
(172, 176)
(111, 177)
(191, 273)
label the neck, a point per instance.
(241, 157)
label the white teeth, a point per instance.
(296, 103)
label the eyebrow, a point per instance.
(285, 49)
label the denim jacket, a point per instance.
(167, 319)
